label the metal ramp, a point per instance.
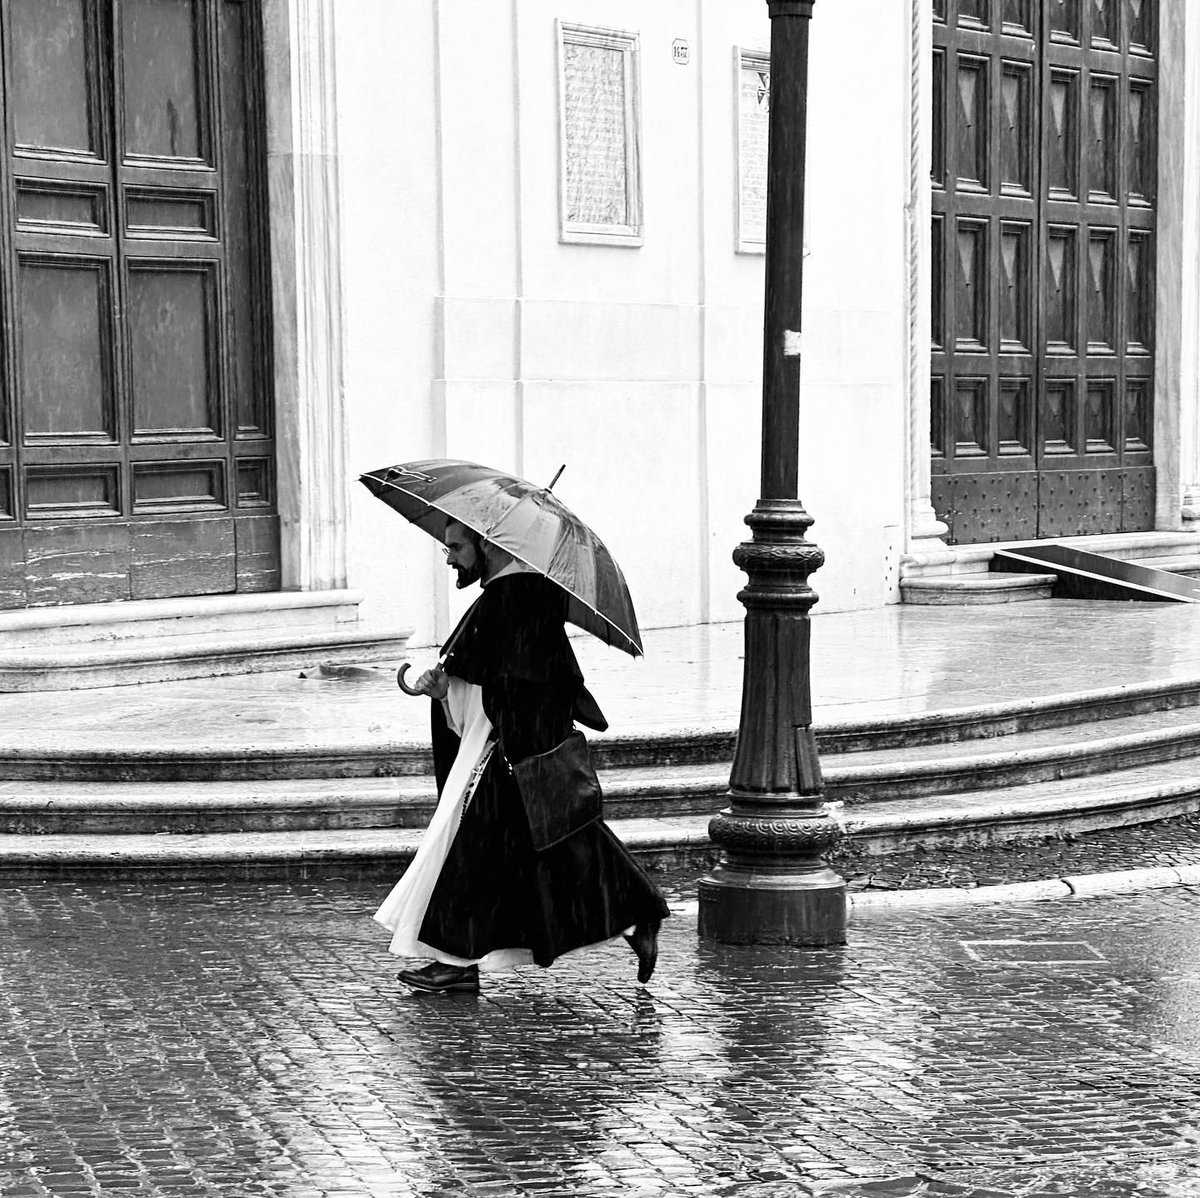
(1083, 575)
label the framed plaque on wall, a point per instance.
(752, 83)
(599, 122)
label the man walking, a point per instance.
(477, 894)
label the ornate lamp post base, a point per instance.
(789, 896)
(771, 885)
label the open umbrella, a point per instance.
(523, 519)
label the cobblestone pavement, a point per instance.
(1169, 842)
(244, 1039)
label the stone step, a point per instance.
(52, 628)
(55, 754)
(860, 780)
(1187, 564)
(668, 842)
(1041, 755)
(988, 587)
(165, 658)
(1032, 811)
(183, 808)
(958, 560)
(963, 820)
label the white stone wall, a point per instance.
(471, 331)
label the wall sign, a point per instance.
(600, 189)
(752, 76)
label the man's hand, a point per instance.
(433, 683)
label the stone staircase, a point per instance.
(1019, 769)
(87, 646)
(960, 574)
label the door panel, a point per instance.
(54, 91)
(1043, 309)
(173, 353)
(66, 360)
(82, 491)
(136, 386)
(165, 101)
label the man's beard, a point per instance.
(466, 575)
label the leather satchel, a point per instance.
(559, 790)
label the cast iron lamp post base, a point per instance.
(771, 885)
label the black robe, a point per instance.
(495, 891)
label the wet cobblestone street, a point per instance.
(249, 1038)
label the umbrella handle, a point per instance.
(408, 690)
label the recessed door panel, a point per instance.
(76, 492)
(178, 486)
(54, 92)
(171, 350)
(1101, 291)
(65, 338)
(164, 94)
(1062, 166)
(43, 206)
(243, 324)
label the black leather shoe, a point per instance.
(644, 942)
(437, 978)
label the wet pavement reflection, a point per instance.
(250, 1038)
(900, 661)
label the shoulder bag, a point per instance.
(559, 790)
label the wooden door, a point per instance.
(137, 455)
(1043, 227)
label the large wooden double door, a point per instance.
(136, 440)
(1043, 267)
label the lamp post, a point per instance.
(771, 885)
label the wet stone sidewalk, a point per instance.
(162, 1038)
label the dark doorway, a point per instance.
(137, 455)
(1043, 267)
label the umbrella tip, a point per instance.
(556, 477)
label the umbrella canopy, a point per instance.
(522, 519)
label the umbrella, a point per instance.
(528, 521)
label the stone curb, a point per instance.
(1123, 881)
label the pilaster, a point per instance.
(306, 257)
(925, 530)
(1178, 345)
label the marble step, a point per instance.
(1114, 732)
(56, 754)
(665, 842)
(54, 627)
(972, 819)
(185, 808)
(209, 654)
(1032, 811)
(860, 780)
(982, 587)
(1097, 747)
